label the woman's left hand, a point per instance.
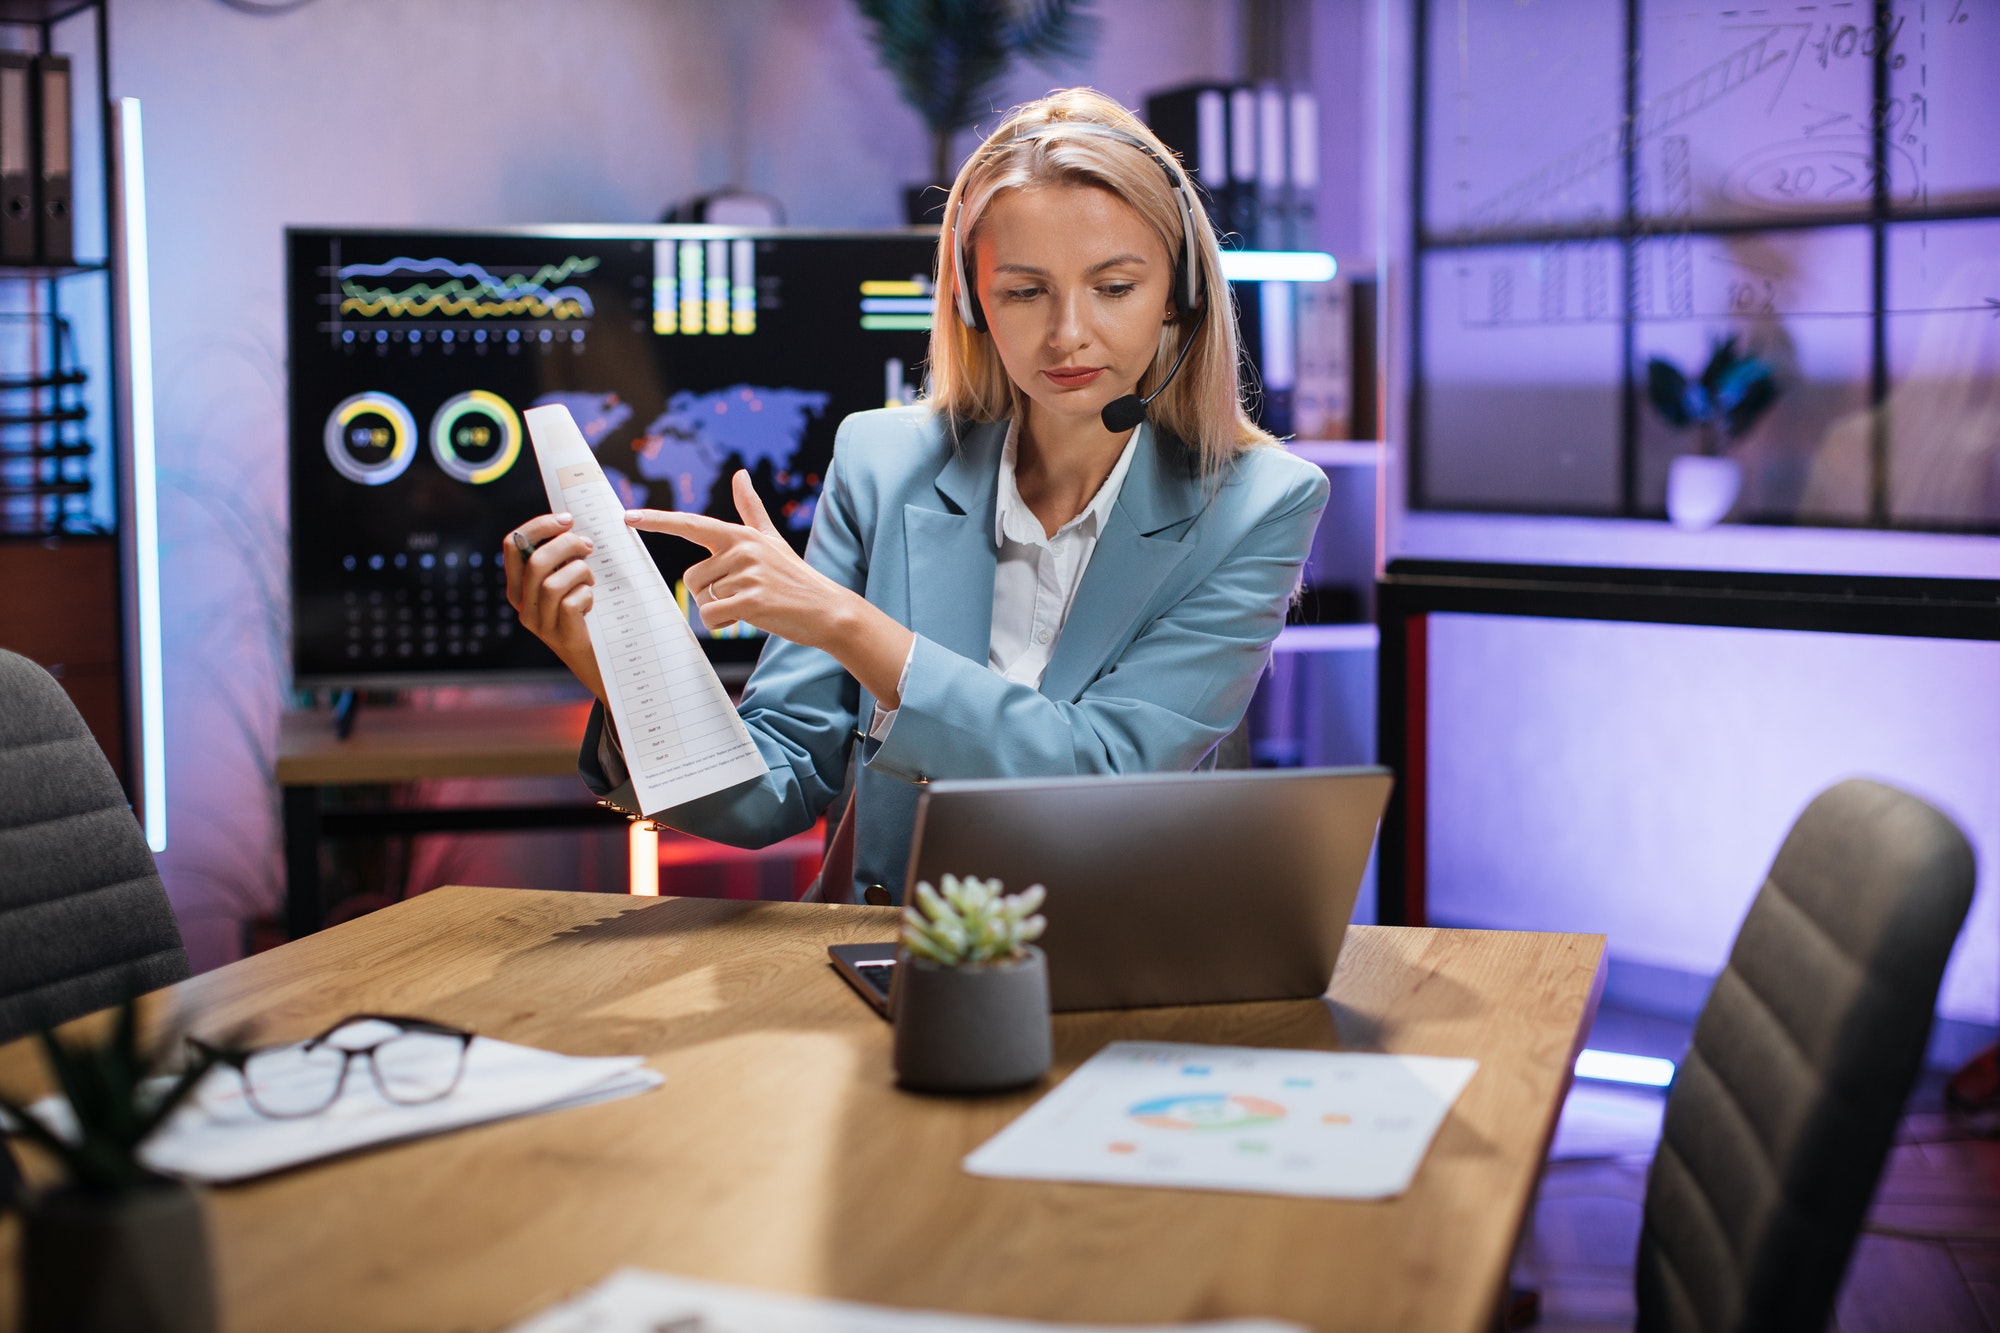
(752, 573)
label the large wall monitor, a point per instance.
(684, 353)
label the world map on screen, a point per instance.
(689, 443)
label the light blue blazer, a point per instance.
(1170, 628)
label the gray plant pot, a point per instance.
(971, 1029)
(137, 1264)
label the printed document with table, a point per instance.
(681, 737)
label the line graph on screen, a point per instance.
(415, 288)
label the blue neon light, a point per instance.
(145, 480)
(1612, 1067)
(1278, 266)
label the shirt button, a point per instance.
(1043, 636)
(876, 895)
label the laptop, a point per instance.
(1163, 888)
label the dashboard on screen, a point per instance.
(684, 353)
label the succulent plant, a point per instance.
(969, 921)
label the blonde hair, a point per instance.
(1203, 406)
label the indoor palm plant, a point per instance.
(1720, 405)
(971, 997)
(949, 58)
(114, 1247)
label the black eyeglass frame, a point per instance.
(239, 1060)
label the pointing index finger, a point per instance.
(698, 528)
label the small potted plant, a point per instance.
(949, 58)
(115, 1247)
(1720, 405)
(971, 996)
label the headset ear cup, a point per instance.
(969, 312)
(1190, 275)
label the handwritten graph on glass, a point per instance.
(1741, 116)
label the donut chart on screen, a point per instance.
(371, 438)
(476, 436)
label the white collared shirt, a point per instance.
(1035, 576)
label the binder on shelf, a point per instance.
(17, 159)
(1365, 408)
(1322, 401)
(1254, 151)
(1193, 120)
(1274, 194)
(1243, 201)
(55, 239)
(1303, 142)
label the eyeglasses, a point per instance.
(412, 1060)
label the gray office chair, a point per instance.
(1782, 1113)
(84, 920)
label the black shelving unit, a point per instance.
(48, 435)
(63, 541)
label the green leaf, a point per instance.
(1666, 389)
(927, 897)
(183, 1086)
(30, 1126)
(1751, 397)
(949, 58)
(1720, 359)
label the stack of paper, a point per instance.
(217, 1137)
(633, 1300)
(1321, 1124)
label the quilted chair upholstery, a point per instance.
(1782, 1112)
(84, 920)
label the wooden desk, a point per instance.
(390, 745)
(779, 1154)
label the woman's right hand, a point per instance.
(550, 591)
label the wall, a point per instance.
(450, 113)
(1637, 779)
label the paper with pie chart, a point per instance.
(681, 737)
(1318, 1124)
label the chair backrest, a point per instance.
(1783, 1110)
(84, 919)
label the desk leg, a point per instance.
(1402, 735)
(305, 909)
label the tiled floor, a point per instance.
(1928, 1261)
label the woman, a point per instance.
(998, 583)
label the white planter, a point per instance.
(1701, 490)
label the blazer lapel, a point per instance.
(950, 550)
(1128, 566)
